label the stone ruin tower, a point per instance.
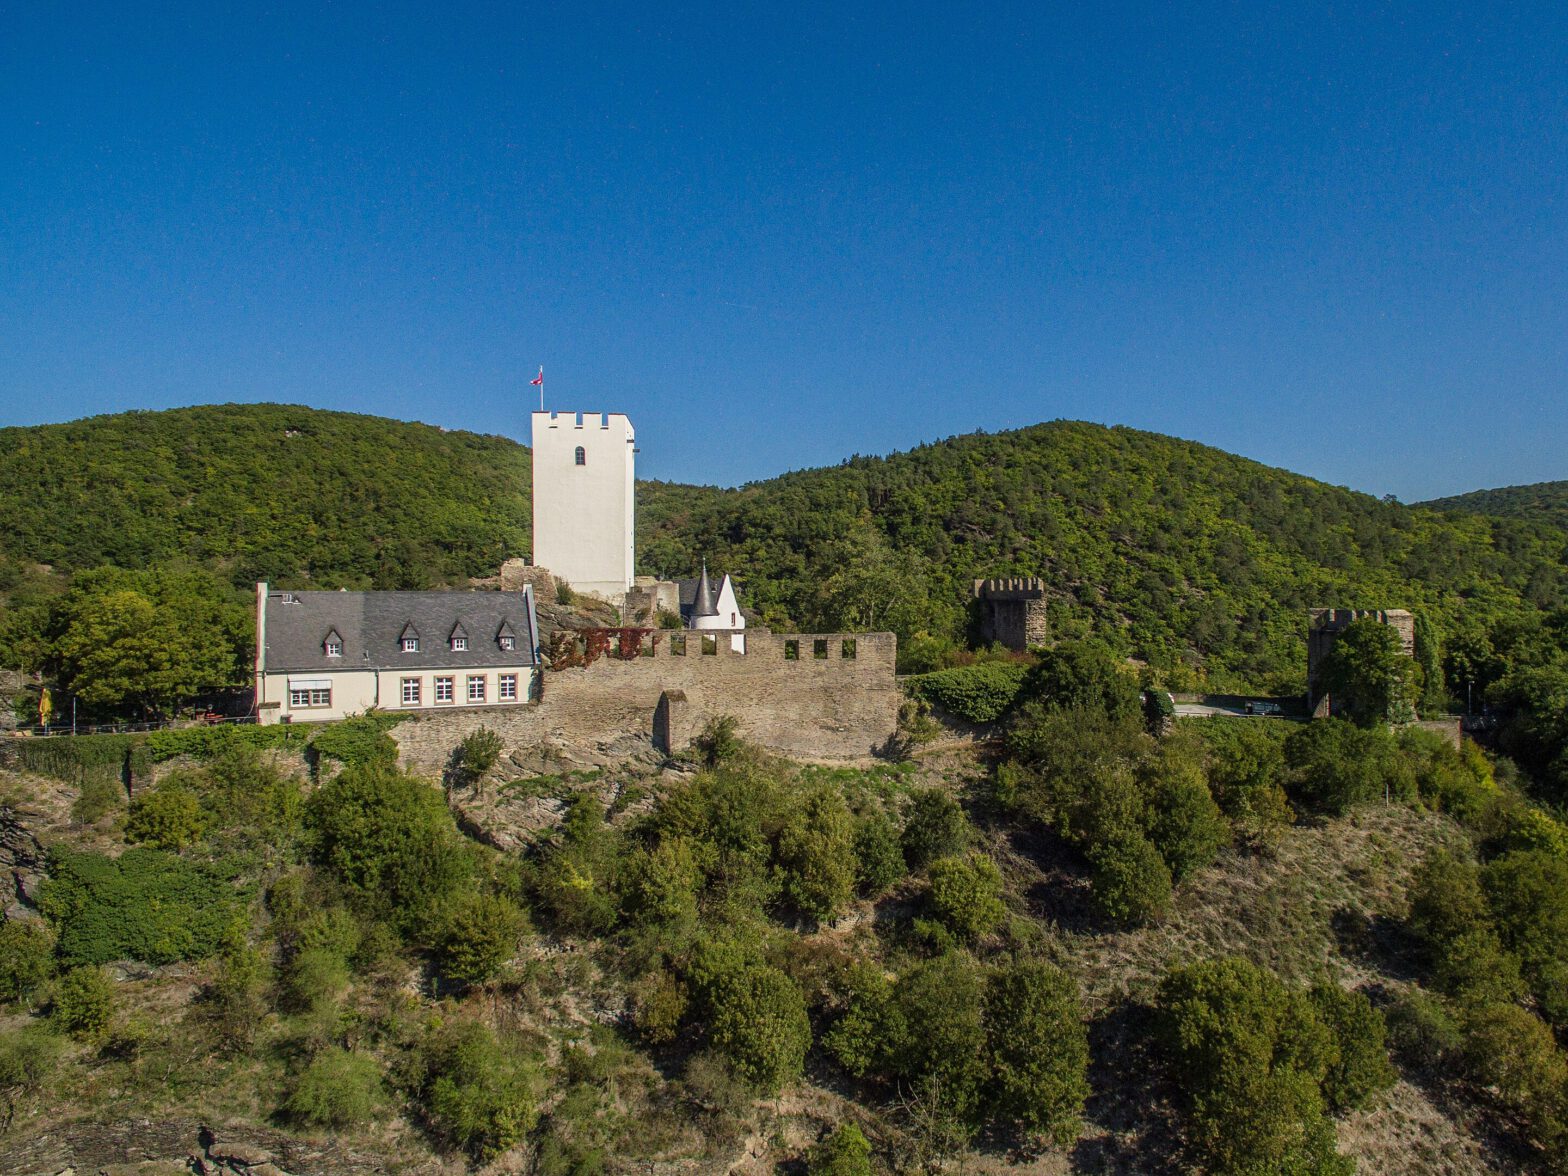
(1012, 611)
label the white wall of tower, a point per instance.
(585, 515)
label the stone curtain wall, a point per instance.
(807, 707)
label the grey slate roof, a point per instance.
(372, 624)
(688, 596)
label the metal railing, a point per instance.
(40, 731)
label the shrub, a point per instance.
(1246, 769)
(1514, 1054)
(1130, 881)
(1361, 1067)
(1038, 1050)
(478, 753)
(390, 839)
(1474, 968)
(1422, 1030)
(758, 1025)
(978, 693)
(169, 817)
(942, 1053)
(1336, 765)
(27, 1058)
(146, 904)
(236, 1000)
(577, 876)
(98, 798)
(936, 827)
(83, 1003)
(1185, 824)
(26, 958)
(1083, 675)
(879, 859)
(719, 742)
(337, 1089)
(314, 980)
(1249, 1057)
(1446, 900)
(966, 895)
(845, 1152)
(478, 934)
(361, 741)
(816, 853)
(478, 1094)
(870, 1035)
(1528, 894)
(658, 1006)
(662, 883)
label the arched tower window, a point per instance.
(582, 456)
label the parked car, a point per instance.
(1265, 708)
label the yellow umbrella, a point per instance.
(45, 707)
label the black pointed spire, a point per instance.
(706, 602)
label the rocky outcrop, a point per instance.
(21, 862)
(148, 1146)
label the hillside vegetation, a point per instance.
(1538, 502)
(1193, 560)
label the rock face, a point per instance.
(21, 862)
(148, 1146)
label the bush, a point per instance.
(719, 741)
(936, 827)
(758, 1025)
(1423, 1032)
(98, 798)
(845, 1152)
(1083, 675)
(1514, 1055)
(662, 883)
(478, 1094)
(26, 958)
(966, 895)
(362, 741)
(478, 934)
(27, 1058)
(658, 1006)
(337, 1089)
(1246, 770)
(1474, 968)
(1446, 899)
(83, 1003)
(169, 817)
(978, 693)
(942, 1053)
(870, 1035)
(477, 754)
(879, 859)
(314, 980)
(1038, 1050)
(1185, 824)
(1249, 1057)
(236, 1000)
(1130, 881)
(1361, 1067)
(390, 839)
(146, 904)
(1336, 765)
(817, 855)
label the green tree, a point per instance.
(1360, 1068)
(83, 1003)
(662, 883)
(1038, 1049)
(936, 827)
(879, 859)
(26, 958)
(1336, 765)
(477, 754)
(1369, 676)
(338, 1089)
(390, 840)
(757, 1023)
(1130, 881)
(28, 1057)
(816, 851)
(1083, 675)
(941, 1058)
(478, 1093)
(845, 1152)
(169, 817)
(1185, 824)
(476, 936)
(966, 895)
(1527, 891)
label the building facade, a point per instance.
(329, 655)
(585, 500)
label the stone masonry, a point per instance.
(1324, 625)
(811, 696)
(1012, 611)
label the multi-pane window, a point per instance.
(410, 691)
(313, 696)
(508, 643)
(443, 689)
(411, 645)
(459, 644)
(334, 649)
(506, 689)
(476, 689)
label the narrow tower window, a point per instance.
(582, 456)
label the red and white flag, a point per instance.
(539, 379)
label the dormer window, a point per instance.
(457, 639)
(582, 456)
(332, 644)
(408, 639)
(508, 644)
(459, 644)
(505, 638)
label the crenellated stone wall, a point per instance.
(1013, 611)
(811, 696)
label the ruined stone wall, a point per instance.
(810, 707)
(1324, 625)
(1013, 611)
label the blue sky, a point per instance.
(1332, 238)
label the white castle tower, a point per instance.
(585, 500)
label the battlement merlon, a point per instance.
(1010, 588)
(584, 420)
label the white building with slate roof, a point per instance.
(328, 655)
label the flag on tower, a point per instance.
(539, 379)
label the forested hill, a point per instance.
(1539, 502)
(1183, 555)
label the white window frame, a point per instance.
(508, 644)
(451, 691)
(411, 645)
(310, 698)
(476, 680)
(459, 644)
(411, 691)
(334, 648)
(506, 688)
